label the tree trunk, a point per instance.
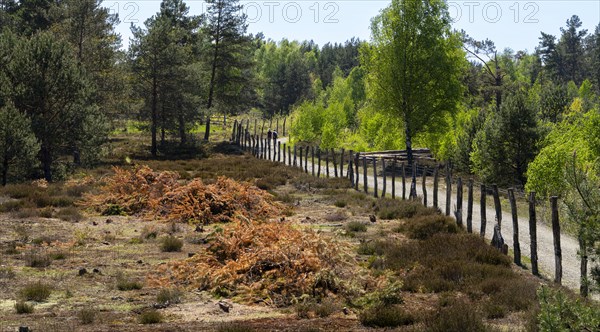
(154, 106)
(182, 135)
(213, 72)
(4, 169)
(46, 162)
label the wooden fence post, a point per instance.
(279, 152)
(459, 200)
(301, 155)
(335, 170)
(290, 155)
(306, 161)
(365, 181)
(351, 169)
(556, 234)
(284, 145)
(424, 185)
(233, 131)
(435, 185)
(384, 187)
(356, 161)
(482, 210)
(448, 190)
(497, 205)
(277, 126)
(470, 206)
(515, 219)
(394, 178)
(533, 234)
(375, 177)
(319, 161)
(342, 163)
(312, 160)
(403, 182)
(262, 130)
(413, 182)
(295, 157)
(350, 156)
(268, 148)
(255, 126)
(246, 132)
(327, 162)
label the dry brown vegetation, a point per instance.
(301, 257)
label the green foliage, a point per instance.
(424, 227)
(386, 316)
(36, 291)
(356, 226)
(150, 317)
(330, 118)
(23, 307)
(170, 244)
(18, 145)
(561, 312)
(414, 65)
(387, 209)
(507, 143)
(578, 132)
(51, 90)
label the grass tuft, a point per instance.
(170, 244)
(36, 291)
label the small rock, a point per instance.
(191, 254)
(307, 218)
(108, 221)
(96, 271)
(106, 243)
(224, 306)
(116, 298)
(82, 271)
(345, 311)
(24, 329)
(161, 305)
(94, 223)
(282, 219)
(372, 218)
(140, 262)
(199, 229)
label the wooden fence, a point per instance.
(346, 164)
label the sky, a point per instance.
(509, 24)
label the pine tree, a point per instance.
(230, 51)
(18, 145)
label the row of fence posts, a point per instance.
(298, 156)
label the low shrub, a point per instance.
(86, 316)
(336, 216)
(168, 296)
(170, 244)
(387, 209)
(377, 247)
(234, 327)
(23, 307)
(150, 317)
(126, 284)
(36, 291)
(12, 206)
(456, 317)
(356, 226)
(7, 273)
(70, 214)
(323, 308)
(38, 260)
(340, 203)
(386, 316)
(423, 227)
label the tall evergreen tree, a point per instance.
(229, 50)
(18, 145)
(571, 48)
